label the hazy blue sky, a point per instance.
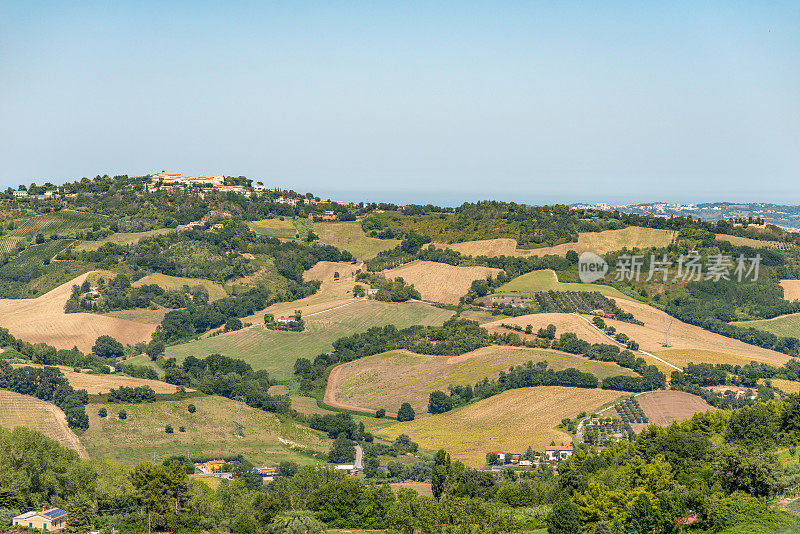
(410, 101)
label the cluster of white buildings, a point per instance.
(165, 180)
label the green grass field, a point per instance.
(389, 379)
(277, 351)
(785, 325)
(62, 223)
(281, 229)
(546, 280)
(122, 238)
(350, 236)
(208, 432)
(215, 290)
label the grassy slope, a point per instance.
(510, 422)
(350, 236)
(277, 351)
(215, 290)
(122, 238)
(785, 325)
(546, 280)
(209, 431)
(386, 380)
(281, 229)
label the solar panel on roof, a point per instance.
(55, 512)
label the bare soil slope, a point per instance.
(664, 406)
(440, 282)
(791, 289)
(42, 320)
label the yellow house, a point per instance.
(53, 519)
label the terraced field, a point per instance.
(389, 379)
(215, 290)
(350, 236)
(546, 280)
(511, 421)
(440, 282)
(208, 431)
(46, 417)
(62, 223)
(277, 351)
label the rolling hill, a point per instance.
(511, 422)
(389, 379)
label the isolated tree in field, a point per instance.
(358, 291)
(192, 408)
(336, 275)
(102, 412)
(269, 318)
(108, 347)
(405, 413)
(380, 413)
(168, 429)
(122, 414)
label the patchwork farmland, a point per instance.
(277, 351)
(389, 379)
(532, 413)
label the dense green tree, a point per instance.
(751, 470)
(564, 518)
(80, 513)
(405, 413)
(342, 451)
(108, 347)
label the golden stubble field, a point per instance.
(688, 343)
(440, 282)
(510, 422)
(599, 242)
(387, 380)
(42, 320)
(46, 417)
(95, 384)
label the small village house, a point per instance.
(556, 453)
(54, 519)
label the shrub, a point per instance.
(181, 429)
(102, 412)
(122, 414)
(380, 413)
(168, 429)
(191, 408)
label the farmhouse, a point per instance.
(53, 519)
(556, 453)
(284, 320)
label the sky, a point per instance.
(440, 102)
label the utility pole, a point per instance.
(239, 431)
